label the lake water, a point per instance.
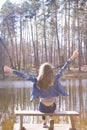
(15, 95)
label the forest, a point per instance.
(37, 31)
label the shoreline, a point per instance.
(75, 74)
(69, 75)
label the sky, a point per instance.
(13, 1)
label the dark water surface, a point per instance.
(15, 95)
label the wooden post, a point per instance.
(71, 123)
(51, 127)
(21, 122)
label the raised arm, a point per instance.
(19, 73)
(74, 55)
(16, 72)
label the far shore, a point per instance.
(73, 73)
(68, 75)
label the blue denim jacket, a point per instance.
(54, 91)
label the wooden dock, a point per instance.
(52, 125)
(40, 127)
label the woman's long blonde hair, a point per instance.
(45, 77)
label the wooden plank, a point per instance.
(38, 113)
(39, 126)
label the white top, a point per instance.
(48, 101)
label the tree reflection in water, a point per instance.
(16, 95)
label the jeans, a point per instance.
(46, 109)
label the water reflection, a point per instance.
(15, 95)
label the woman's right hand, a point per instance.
(75, 54)
(8, 69)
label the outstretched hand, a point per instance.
(75, 54)
(7, 69)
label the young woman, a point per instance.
(46, 86)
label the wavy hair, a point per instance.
(45, 77)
